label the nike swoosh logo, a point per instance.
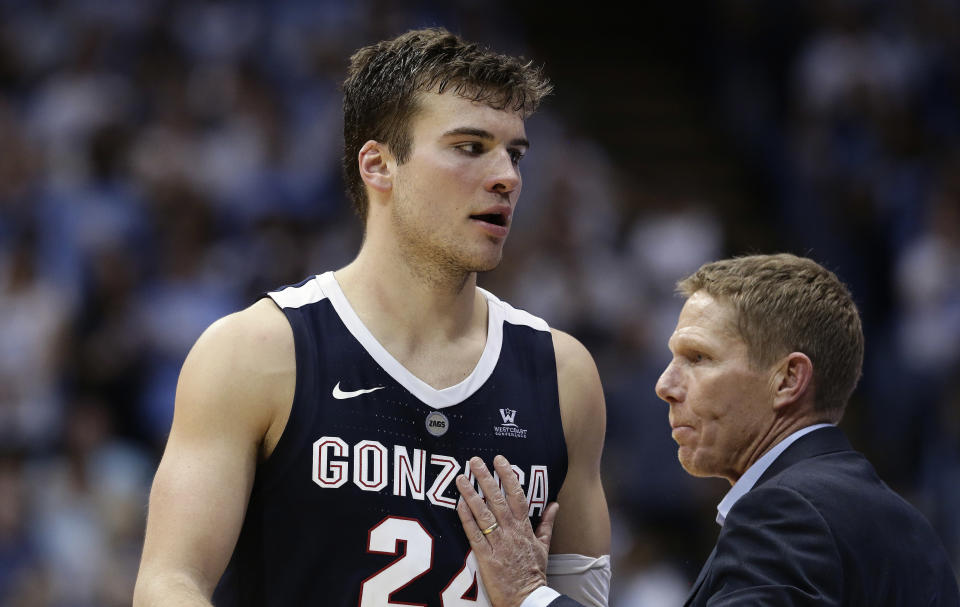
(340, 394)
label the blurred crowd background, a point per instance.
(162, 162)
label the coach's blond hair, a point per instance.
(784, 303)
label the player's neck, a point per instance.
(402, 302)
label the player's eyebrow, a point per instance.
(484, 134)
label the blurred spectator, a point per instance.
(18, 558)
(33, 316)
(88, 511)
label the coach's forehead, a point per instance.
(706, 319)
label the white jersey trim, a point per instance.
(299, 296)
(497, 313)
(513, 315)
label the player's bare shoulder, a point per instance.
(581, 394)
(573, 358)
(583, 525)
(243, 368)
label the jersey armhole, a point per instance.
(271, 469)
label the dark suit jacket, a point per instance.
(821, 528)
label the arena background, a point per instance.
(163, 162)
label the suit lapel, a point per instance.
(700, 578)
(818, 442)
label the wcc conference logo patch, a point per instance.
(509, 426)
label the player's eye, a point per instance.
(515, 156)
(472, 148)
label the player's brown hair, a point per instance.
(784, 303)
(384, 80)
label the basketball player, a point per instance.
(317, 434)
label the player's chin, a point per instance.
(484, 261)
(487, 265)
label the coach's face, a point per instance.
(721, 407)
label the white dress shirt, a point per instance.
(754, 472)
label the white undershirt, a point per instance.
(541, 597)
(582, 578)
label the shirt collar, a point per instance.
(755, 471)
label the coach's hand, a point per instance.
(512, 559)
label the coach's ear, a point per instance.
(376, 166)
(793, 380)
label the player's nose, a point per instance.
(504, 174)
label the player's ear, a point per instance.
(793, 379)
(376, 165)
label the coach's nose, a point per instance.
(670, 386)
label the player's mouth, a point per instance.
(495, 220)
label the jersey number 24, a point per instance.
(385, 538)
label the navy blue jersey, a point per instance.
(356, 504)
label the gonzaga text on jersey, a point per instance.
(415, 474)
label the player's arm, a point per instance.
(583, 523)
(232, 401)
(580, 547)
